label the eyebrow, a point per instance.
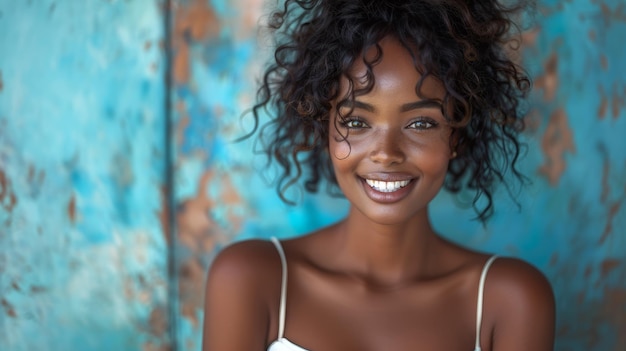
(428, 103)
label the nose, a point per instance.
(387, 148)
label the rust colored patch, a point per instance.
(200, 234)
(183, 122)
(604, 105)
(608, 266)
(614, 302)
(31, 174)
(617, 104)
(181, 65)
(71, 209)
(613, 210)
(532, 121)
(529, 38)
(151, 346)
(604, 62)
(147, 45)
(549, 81)
(249, 13)
(4, 185)
(158, 322)
(592, 35)
(196, 229)
(1, 82)
(191, 289)
(8, 200)
(617, 14)
(194, 22)
(8, 308)
(556, 141)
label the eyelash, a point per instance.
(349, 120)
(429, 122)
(426, 123)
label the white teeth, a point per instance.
(386, 187)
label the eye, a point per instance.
(354, 123)
(422, 124)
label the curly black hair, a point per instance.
(465, 44)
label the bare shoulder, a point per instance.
(514, 280)
(243, 282)
(253, 259)
(520, 301)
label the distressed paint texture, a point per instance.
(83, 259)
(572, 217)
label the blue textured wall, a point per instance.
(83, 254)
(82, 251)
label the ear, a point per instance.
(454, 142)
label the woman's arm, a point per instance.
(236, 313)
(522, 303)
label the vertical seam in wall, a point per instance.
(172, 292)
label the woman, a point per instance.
(389, 100)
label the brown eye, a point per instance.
(422, 124)
(354, 123)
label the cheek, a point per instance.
(339, 150)
(437, 165)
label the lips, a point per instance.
(387, 188)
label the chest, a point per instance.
(325, 314)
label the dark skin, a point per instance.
(382, 279)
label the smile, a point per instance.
(387, 187)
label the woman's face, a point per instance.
(398, 146)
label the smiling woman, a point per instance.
(391, 135)
(390, 101)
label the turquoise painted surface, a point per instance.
(82, 252)
(572, 217)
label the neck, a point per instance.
(387, 254)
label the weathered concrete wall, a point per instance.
(83, 257)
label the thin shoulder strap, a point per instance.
(479, 304)
(283, 288)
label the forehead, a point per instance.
(396, 70)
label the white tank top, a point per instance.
(283, 344)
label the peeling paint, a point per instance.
(604, 62)
(71, 209)
(104, 241)
(556, 141)
(8, 199)
(8, 308)
(194, 22)
(192, 275)
(615, 313)
(158, 322)
(549, 82)
(608, 266)
(604, 105)
(613, 211)
(82, 255)
(618, 102)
